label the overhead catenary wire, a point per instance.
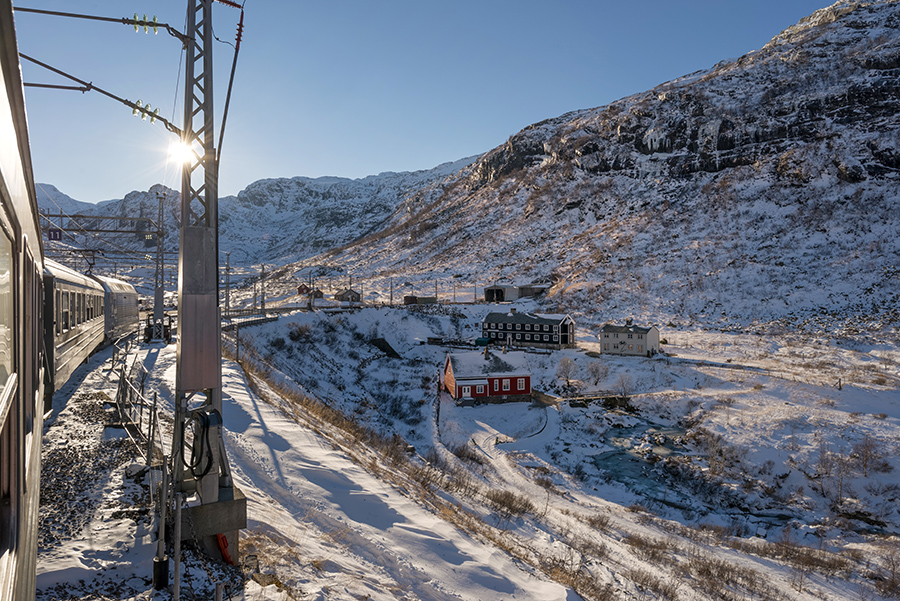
(90, 86)
(237, 48)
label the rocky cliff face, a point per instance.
(762, 187)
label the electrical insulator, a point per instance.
(136, 28)
(240, 30)
(154, 115)
(137, 108)
(155, 25)
(146, 29)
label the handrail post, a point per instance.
(176, 582)
(150, 433)
(161, 562)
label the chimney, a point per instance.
(628, 321)
(512, 310)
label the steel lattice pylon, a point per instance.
(198, 377)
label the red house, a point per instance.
(487, 377)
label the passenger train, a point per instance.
(51, 320)
(81, 314)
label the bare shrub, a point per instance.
(545, 483)
(650, 549)
(599, 521)
(467, 453)
(646, 581)
(887, 574)
(299, 332)
(509, 503)
(721, 579)
(570, 572)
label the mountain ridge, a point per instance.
(758, 191)
(761, 189)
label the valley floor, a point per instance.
(734, 472)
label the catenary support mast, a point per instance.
(200, 463)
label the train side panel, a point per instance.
(21, 360)
(75, 310)
(122, 313)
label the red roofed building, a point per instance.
(486, 377)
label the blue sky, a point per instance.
(353, 88)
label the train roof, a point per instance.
(61, 272)
(15, 154)
(115, 285)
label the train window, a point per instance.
(65, 310)
(8, 493)
(7, 318)
(58, 312)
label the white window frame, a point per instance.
(505, 384)
(520, 384)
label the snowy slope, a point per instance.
(757, 194)
(761, 189)
(733, 472)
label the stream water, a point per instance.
(631, 461)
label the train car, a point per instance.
(22, 363)
(74, 318)
(121, 302)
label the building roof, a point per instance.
(532, 318)
(614, 329)
(477, 364)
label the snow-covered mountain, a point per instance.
(50, 199)
(762, 188)
(291, 218)
(276, 220)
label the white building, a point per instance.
(629, 339)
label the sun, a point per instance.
(179, 152)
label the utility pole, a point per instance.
(158, 299)
(262, 288)
(198, 374)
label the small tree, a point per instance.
(566, 369)
(866, 454)
(597, 371)
(623, 385)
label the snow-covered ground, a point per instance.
(742, 466)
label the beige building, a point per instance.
(629, 340)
